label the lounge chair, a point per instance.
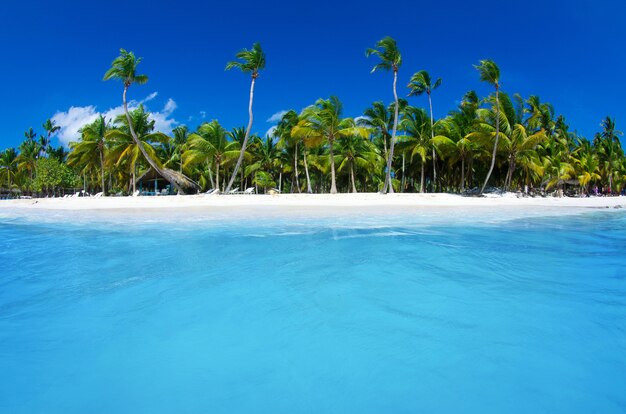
(249, 190)
(234, 191)
(98, 195)
(136, 193)
(212, 191)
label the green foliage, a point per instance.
(50, 175)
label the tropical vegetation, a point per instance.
(501, 140)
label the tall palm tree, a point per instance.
(321, 123)
(490, 73)
(9, 164)
(421, 83)
(390, 59)
(250, 61)
(124, 68)
(91, 145)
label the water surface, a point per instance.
(354, 313)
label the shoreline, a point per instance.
(313, 201)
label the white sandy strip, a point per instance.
(288, 201)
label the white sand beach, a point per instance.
(322, 201)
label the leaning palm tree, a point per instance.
(124, 68)
(250, 61)
(490, 73)
(421, 83)
(321, 123)
(390, 59)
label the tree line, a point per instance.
(500, 140)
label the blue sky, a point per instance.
(570, 53)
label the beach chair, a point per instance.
(234, 191)
(98, 195)
(212, 191)
(249, 190)
(136, 193)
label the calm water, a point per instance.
(324, 315)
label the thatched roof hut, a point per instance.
(153, 181)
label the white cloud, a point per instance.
(276, 117)
(150, 97)
(72, 120)
(76, 117)
(270, 131)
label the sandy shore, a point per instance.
(365, 200)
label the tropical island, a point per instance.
(501, 141)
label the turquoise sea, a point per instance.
(354, 312)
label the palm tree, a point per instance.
(610, 149)
(91, 147)
(251, 61)
(125, 149)
(390, 59)
(180, 139)
(29, 151)
(378, 118)
(209, 146)
(124, 68)
(50, 127)
(490, 73)
(415, 142)
(355, 152)
(9, 164)
(421, 83)
(289, 142)
(322, 122)
(517, 146)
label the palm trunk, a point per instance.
(432, 136)
(245, 139)
(280, 179)
(462, 174)
(352, 178)
(306, 170)
(403, 161)
(422, 178)
(295, 164)
(140, 145)
(208, 167)
(102, 171)
(217, 176)
(134, 183)
(388, 185)
(180, 164)
(333, 183)
(495, 145)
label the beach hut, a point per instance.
(152, 183)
